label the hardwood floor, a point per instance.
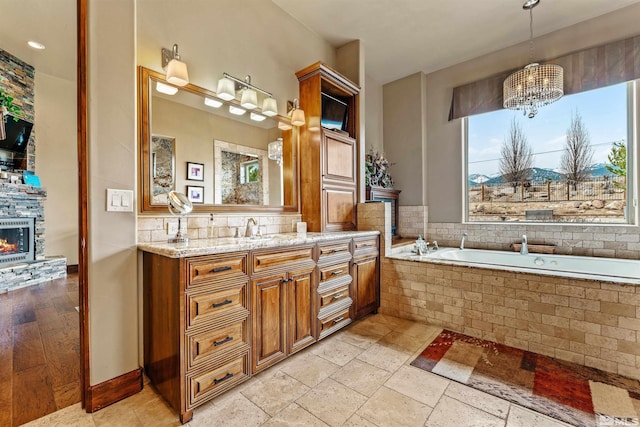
(39, 350)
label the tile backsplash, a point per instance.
(200, 226)
(615, 241)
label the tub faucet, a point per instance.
(524, 249)
(464, 236)
(249, 231)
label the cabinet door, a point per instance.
(339, 208)
(300, 310)
(269, 321)
(339, 157)
(367, 286)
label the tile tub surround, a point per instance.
(153, 228)
(589, 322)
(412, 221)
(613, 241)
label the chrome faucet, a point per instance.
(435, 245)
(464, 236)
(249, 231)
(524, 249)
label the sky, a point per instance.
(603, 111)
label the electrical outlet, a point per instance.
(172, 228)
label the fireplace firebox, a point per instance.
(17, 240)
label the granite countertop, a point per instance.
(232, 244)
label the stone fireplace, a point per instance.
(17, 240)
(22, 260)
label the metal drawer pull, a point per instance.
(219, 380)
(220, 304)
(366, 245)
(335, 273)
(338, 320)
(338, 296)
(221, 269)
(337, 250)
(217, 343)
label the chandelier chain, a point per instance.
(530, 35)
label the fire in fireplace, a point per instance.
(17, 240)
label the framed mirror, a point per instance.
(236, 163)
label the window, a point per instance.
(249, 172)
(568, 164)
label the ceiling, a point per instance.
(51, 22)
(402, 37)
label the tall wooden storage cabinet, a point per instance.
(328, 158)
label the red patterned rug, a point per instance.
(566, 391)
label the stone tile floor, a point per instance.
(359, 376)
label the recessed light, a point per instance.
(36, 45)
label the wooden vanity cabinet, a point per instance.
(334, 298)
(328, 158)
(283, 286)
(196, 326)
(212, 321)
(366, 276)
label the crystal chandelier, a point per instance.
(275, 150)
(535, 85)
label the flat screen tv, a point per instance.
(334, 113)
(18, 132)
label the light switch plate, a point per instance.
(119, 200)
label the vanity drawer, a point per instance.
(365, 244)
(334, 271)
(204, 306)
(334, 249)
(206, 345)
(207, 269)
(333, 296)
(217, 380)
(340, 318)
(266, 261)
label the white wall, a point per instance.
(444, 143)
(56, 162)
(373, 115)
(113, 307)
(271, 47)
(405, 136)
(252, 37)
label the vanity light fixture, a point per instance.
(166, 89)
(236, 110)
(257, 117)
(297, 115)
(228, 85)
(536, 85)
(226, 89)
(210, 102)
(176, 69)
(269, 107)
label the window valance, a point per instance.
(587, 69)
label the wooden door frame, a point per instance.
(83, 191)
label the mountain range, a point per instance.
(537, 174)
